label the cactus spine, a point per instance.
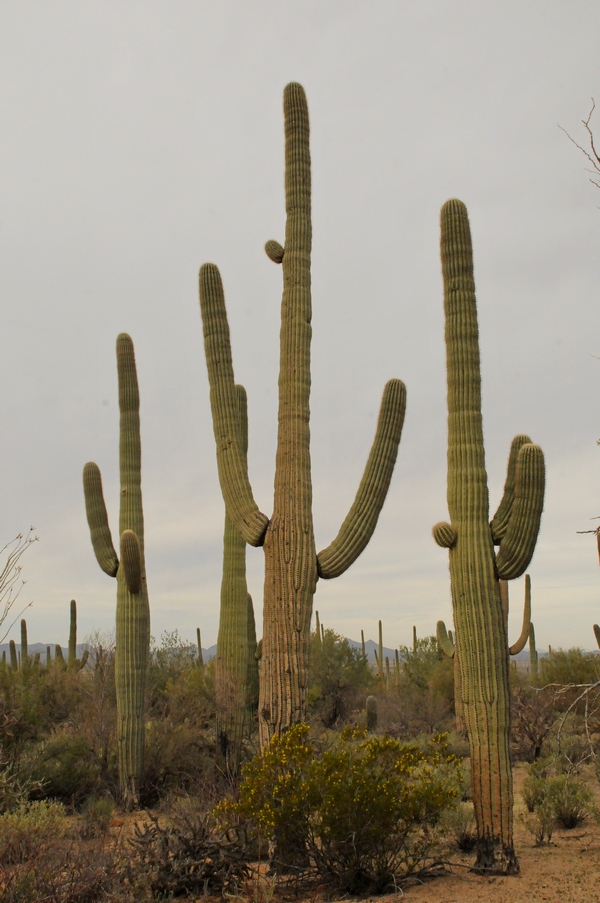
(292, 566)
(234, 649)
(133, 613)
(475, 569)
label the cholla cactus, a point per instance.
(133, 612)
(292, 566)
(475, 569)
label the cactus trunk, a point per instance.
(234, 649)
(480, 632)
(292, 565)
(133, 612)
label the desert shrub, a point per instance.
(532, 719)
(65, 874)
(540, 822)
(339, 679)
(421, 698)
(363, 810)
(571, 800)
(65, 767)
(187, 854)
(96, 816)
(30, 825)
(563, 799)
(459, 822)
(569, 667)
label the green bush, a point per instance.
(559, 799)
(363, 810)
(33, 824)
(339, 679)
(96, 815)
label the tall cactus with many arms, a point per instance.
(236, 662)
(292, 566)
(133, 612)
(475, 569)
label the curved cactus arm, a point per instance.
(97, 518)
(525, 630)
(233, 470)
(517, 547)
(445, 535)
(360, 522)
(131, 558)
(597, 634)
(499, 522)
(81, 663)
(446, 644)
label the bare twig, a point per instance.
(593, 157)
(11, 582)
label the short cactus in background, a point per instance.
(475, 568)
(133, 612)
(73, 663)
(371, 706)
(25, 661)
(292, 566)
(533, 656)
(199, 643)
(14, 661)
(59, 657)
(235, 650)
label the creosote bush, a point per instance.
(364, 809)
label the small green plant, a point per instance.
(460, 824)
(361, 813)
(540, 822)
(29, 826)
(572, 801)
(96, 815)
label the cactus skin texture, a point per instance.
(235, 649)
(292, 566)
(133, 612)
(475, 569)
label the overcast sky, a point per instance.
(141, 139)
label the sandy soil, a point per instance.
(566, 870)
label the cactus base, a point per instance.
(494, 858)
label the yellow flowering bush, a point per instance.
(361, 812)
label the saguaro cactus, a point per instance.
(475, 569)
(292, 566)
(133, 612)
(234, 677)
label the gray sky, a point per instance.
(142, 139)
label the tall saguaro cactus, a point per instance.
(292, 566)
(475, 568)
(236, 648)
(133, 612)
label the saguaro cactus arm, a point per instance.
(360, 522)
(95, 509)
(518, 544)
(519, 645)
(131, 560)
(499, 522)
(231, 463)
(446, 644)
(596, 634)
